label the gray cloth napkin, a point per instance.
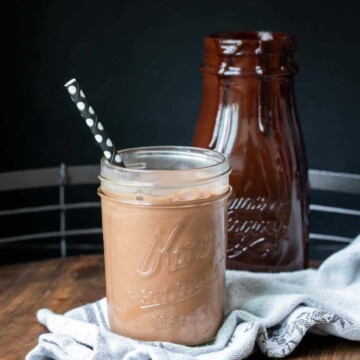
(272, 311)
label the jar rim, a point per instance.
(222, 158)
(165, 166)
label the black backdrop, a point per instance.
(138, 63)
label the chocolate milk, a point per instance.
(165, 259)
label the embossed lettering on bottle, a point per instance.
(257, 225)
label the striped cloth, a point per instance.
(266, 312)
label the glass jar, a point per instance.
(165, 228)
(248, 112)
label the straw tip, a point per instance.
(70, 82)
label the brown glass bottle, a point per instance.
(248, 112)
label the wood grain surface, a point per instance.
(62, 284)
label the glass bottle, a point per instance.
(248, 112)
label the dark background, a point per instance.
(138, 63)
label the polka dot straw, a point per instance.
(95, 126)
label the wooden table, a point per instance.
(62, 284)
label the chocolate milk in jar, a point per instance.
(165, 228)
(248, 112)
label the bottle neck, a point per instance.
(248, 88)
(249, 55)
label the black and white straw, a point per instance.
(95, 126)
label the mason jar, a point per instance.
(165, 222)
